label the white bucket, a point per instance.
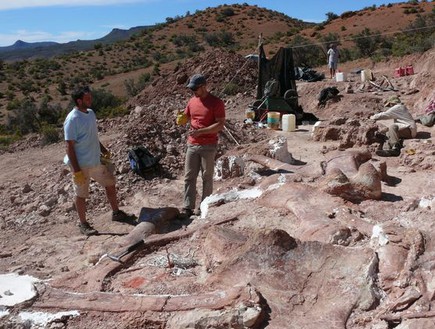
(288, 122)
(339, 76)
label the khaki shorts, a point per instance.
(100, 174)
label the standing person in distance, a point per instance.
(333, 55)
(83, 152)
(206, 114)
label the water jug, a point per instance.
(339, 76)
(288, 122)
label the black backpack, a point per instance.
(327, 93)
(142, 162)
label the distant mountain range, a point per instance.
(21, 50)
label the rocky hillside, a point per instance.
(170, 44)
(21, 51)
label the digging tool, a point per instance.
(389, 83)
(129, 249)
(231, 135)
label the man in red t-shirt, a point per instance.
(206, 114)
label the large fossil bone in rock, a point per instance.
(298, 280)
(316, 211)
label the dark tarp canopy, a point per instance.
(280, 67)
(276, 90)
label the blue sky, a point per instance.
(69, 20)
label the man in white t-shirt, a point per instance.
(333, 55)
(83, 155)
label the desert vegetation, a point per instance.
(34, 92)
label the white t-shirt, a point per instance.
(82, 128)
(332, 56)
(401, 116)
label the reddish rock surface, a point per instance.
(275, 250)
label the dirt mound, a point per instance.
(154, 109)
(222, 68)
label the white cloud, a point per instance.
(41, 36)
(19, 4)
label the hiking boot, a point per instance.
(186, 213)
(122, 217)
(381, 139)
(398, 145)
(87, 229)
(394, 152)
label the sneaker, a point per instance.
(121, 216)
(87, 229)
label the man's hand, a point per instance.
(79, 178)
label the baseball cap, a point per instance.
(195, 81)
(393, 100)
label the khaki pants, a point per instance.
(101, 174)
(395, 134)
(198, 158)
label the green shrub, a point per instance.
(348, 14)
(24, 118)
(367, 42)
(113, 112)
(228, 12)
(331, 16)
(409, 11)
(219, 39)
(220, 18)
(231, 89)
(6, 140)
(104, 101)
(133, 88)
(49, 134)
(304, 54)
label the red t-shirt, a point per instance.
(203, 113)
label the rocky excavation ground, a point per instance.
(306, 229)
